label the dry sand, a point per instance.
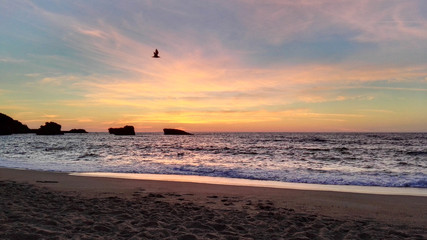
(46, 205)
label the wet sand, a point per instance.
(47, 205)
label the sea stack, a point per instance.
(50, 128)
(126, 130)
(172, 131)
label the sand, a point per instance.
(47, 205)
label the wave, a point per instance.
(312, 176)
(417, 153)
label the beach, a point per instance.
(50, 205)
(229, 120)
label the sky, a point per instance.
(235, 65)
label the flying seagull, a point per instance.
(156, 54)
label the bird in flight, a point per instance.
(156, 54)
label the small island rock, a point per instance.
(172, 131)
(76, 131)
(126, 130)
(50, 128)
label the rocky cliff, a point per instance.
(10, 126)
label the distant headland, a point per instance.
(10, 126)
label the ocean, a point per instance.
(361, 159)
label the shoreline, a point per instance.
(422, 192)
(97, 207)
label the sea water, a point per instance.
(361, 159)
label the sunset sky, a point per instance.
(235, 65)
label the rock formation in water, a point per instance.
(76, 131)
(50, 128)
(172, 131)
(10, 126)
(126, 130)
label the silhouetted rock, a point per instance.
(50, 128)
(172, 131)
(126, 130)
(10, 126)
(76, 131)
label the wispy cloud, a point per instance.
(235, 116)
(59, 80)
(365, 20)
(50, 116)
(11, 60)
(32, 74)
(385, 111)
